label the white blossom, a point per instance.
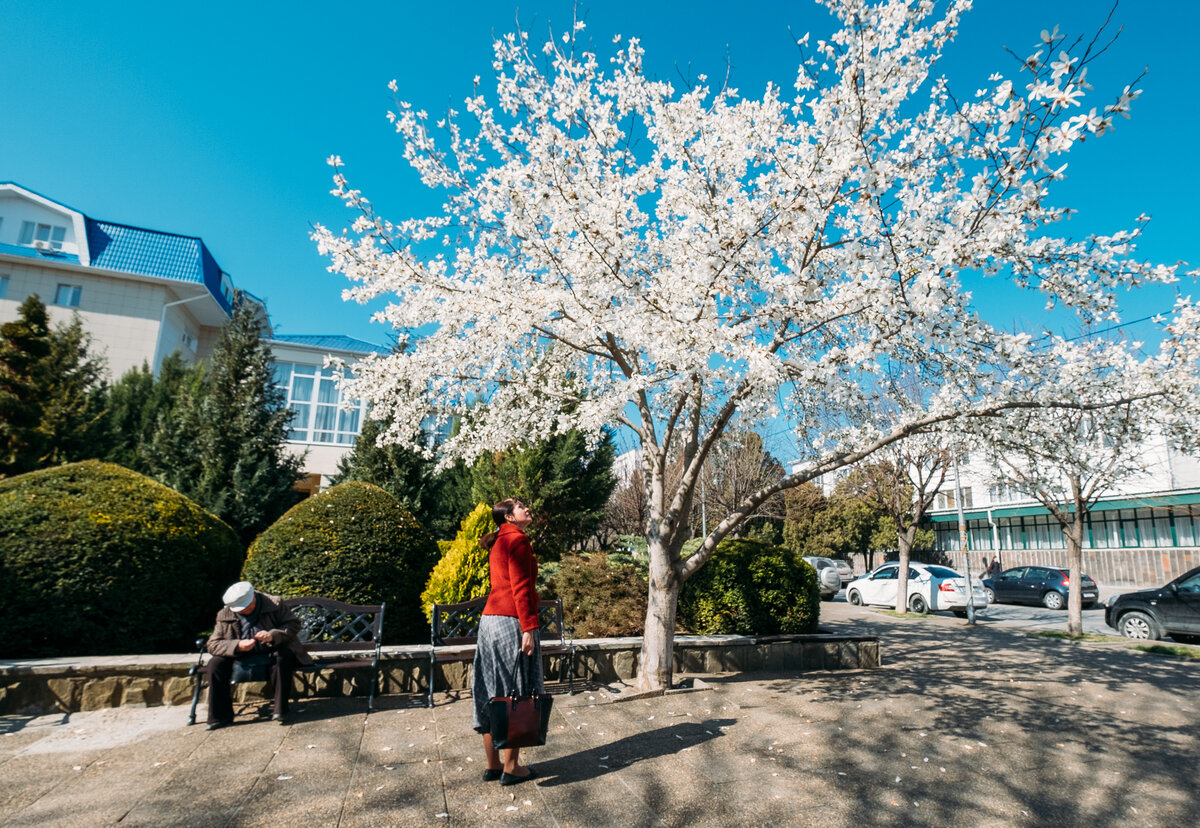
(613, 250)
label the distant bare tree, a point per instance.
(903, 484)
(740, 466)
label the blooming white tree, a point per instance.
(612, 250)
(1068, 459)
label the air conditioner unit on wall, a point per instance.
(42, 244)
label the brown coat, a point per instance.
(278, 619)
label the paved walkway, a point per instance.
(962, 725)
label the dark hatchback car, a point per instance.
(1172, 610)
(1045, 585)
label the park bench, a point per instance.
(454, 628)
(336, 635)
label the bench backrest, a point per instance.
(458, 624)
(330, 626)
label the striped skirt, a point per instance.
(496, 652)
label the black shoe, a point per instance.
(279, 717)
(492, 774)
(217, 725)
(509, 779)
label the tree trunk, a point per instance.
(657, 664)
(1074, 538)
(904, 540)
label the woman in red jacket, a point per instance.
(509, 625)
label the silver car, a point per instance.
(844, 570)
(827, 575)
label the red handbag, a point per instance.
(520, 721)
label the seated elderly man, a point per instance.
(251, 627)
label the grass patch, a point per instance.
(1170, 650)
(1065, 636)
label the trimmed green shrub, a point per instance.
(750, 588)
(601, 596)
(462, 573)
(96, 559)
(353, 543)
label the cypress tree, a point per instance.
(223, 445)
(565, 484)
(24, 345)
(439, 500)
(138, 401)
(74, 398)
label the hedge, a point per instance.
(353, 543)
(96, 559)
(602, 595)
(750, 588)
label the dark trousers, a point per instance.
(220, 695)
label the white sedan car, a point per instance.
(930, 588)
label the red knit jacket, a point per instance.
(514, 575)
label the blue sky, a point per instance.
(215, 119)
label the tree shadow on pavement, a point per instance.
(598, 761)
(1012, 727)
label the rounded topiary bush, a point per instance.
(353, 543)
(750, 588)
(97, 559)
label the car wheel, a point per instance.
(854, 598)
(1053, 601)
(1138, 626)
(918, 605)
(991, 594)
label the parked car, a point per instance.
(827, 575)
(930, 588)
(1045, 585)
(1150, 614)
(844, 570)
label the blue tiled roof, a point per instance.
(34, 253)
(153, 253)
(332, 342)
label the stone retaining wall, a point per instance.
(64, 685)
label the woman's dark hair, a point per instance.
(499, 512)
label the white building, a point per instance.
(144, 294)
(322, 427)
(1144, 531)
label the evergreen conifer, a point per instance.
(223, 444)
(564, 484)
(74, 396)
(24, 344)
(462, 572)
(439, 500)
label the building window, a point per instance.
(316, 404)
(39, 235)
(3, 286)
(68, 295)
(188, 341)
(1183, 526)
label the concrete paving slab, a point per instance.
(962, 725)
